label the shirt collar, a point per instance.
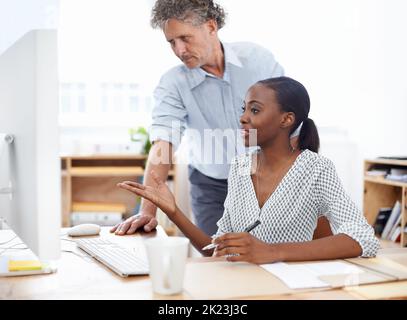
(231, 56)
(198, 75)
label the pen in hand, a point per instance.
(252, 226)
(248, 229)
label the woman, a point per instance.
(286, 189)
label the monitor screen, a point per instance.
(30, 165)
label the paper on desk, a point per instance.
(294, 276)
(306, 275)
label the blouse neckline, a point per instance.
(280, 184)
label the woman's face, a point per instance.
(262, 117)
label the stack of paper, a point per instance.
(306, 275)
(103, 214)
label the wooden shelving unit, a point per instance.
(107, 172)
(93, 178)
(380, 192)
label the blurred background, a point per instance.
(350, 55)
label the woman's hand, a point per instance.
(160, 194)
(245, 247)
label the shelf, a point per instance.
(98, 207)
(380, 192)
(381, 180)
(92, 178)
(110, 172)
(386, 244)
(106, 171)
(388, 162)
(105, 157)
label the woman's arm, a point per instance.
(339, 246)
(353, 235)
(198, 238)
(245, 247)
(343, 215)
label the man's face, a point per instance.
(191, 44)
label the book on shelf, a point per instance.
(396, 225)
(381, 220)
(103, 214)
(393, 219)
(397, 178)
(396, 235)
(108, 218)
(376, 173)
(398, 171)
(394, 158)
(397, 174)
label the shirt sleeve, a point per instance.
(270, 66)
(277, 69)
(342, 213)
(169, 113)
(224, 224)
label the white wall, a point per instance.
(17, 17)
(351, 56)
(348, 53)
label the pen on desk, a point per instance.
(247, 229)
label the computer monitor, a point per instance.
(30, 165)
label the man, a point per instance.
(205, 92)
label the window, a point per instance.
(110, 62)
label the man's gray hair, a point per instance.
(195, 12)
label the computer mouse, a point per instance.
(86, 229)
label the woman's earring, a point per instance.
(291, 146)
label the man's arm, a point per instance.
(160, 161)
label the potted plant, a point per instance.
(140, 136)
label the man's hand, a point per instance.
(133, 223)
(245, 247)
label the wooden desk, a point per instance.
(80, 278)
(85, 278)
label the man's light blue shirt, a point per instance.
(193, 103)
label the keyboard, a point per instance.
(119, 259)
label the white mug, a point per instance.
(167, 258)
